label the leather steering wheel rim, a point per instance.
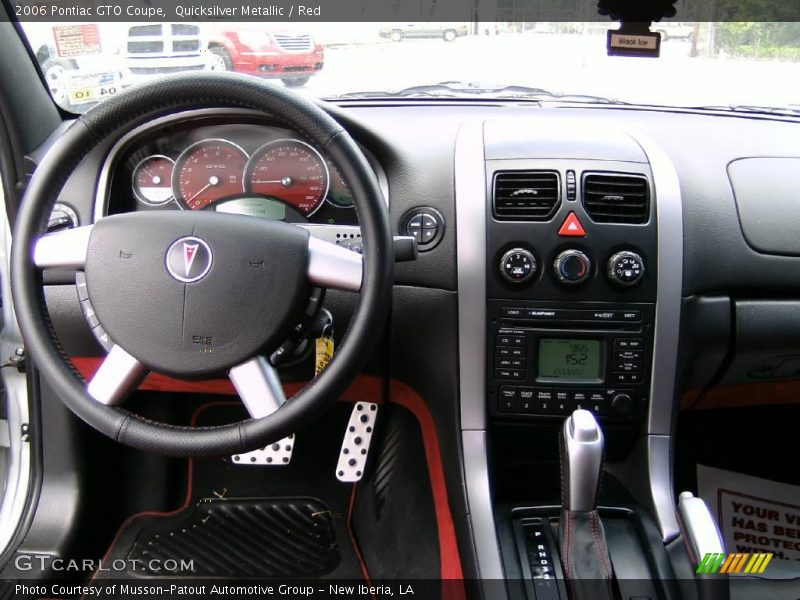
(117, 116)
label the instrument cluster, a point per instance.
(243, 168)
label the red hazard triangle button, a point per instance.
(572, 227)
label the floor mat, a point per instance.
(257, 511)
(237, 538)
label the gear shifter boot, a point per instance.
(584, 556)
(581, 538)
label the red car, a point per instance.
(289, 56)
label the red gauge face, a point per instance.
(208, 171)
(152, 180)
(290, 171)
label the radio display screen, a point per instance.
(569, 360)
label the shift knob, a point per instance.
(581, 461)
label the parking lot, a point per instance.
(561, 63)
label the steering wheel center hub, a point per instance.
(193, 294)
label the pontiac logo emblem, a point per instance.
(189, 259)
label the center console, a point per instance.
(570, 294)
(569, 254)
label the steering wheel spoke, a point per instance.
(259, 386)
(332, 266)
(63, 249)
(117, 378)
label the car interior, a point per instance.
(470, 346)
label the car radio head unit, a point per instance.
(547, 359)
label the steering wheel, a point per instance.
(198, 294)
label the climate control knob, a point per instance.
(625, 268)
(518, 265)
(572, 267)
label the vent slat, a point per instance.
(526, 195)
(616, 198)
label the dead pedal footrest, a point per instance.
(277, 454)
(355, 446)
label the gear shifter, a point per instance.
(581, 539)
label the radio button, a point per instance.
(507, 401)
(563, 402)
(628, 366)
(509, 352)
(597, 396)
(632, 316)
(509, 363)
(628, 354)
(527, 403)
(634, 378)
(509, 374)
(513, 313)
(629, 343)
(580, 397)
(511, 340)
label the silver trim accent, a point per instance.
(332, 266)
(64, 249)
(355, 446)
(118, 376)
(481, 514)
(669, 210)
(17, 459)
(700, 528)
(470, 192)
(470, 196)
(583, 444)
(259, 386)
(101, 195)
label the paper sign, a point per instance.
(621, 43)
(77, 40)
(755, 515)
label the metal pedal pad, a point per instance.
(278, 454)
(355, 446)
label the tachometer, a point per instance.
(291, 171)
(207, 171)
(152, 180)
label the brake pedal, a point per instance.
(355, 446)
(277, 454)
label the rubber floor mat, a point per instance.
(238, 538)
(258, 519)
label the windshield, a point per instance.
(746, 66)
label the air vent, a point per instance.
(616, 198)
(526, 195)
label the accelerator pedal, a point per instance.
(355, 446)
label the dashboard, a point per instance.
(237, 164)
(509, 323)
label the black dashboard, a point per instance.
(598, 257)
(412, 147)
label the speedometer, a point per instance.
(291, 171)
(207, 171)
